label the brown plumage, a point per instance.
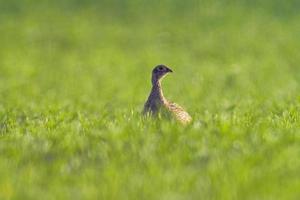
(157, 103)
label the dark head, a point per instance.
(159, 72)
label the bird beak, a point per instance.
(169, 70)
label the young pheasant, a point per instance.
(157, 103)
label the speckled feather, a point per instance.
(157, 103)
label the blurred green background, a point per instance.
(74, 76)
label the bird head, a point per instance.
(159, 72)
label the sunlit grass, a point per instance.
(74, 77)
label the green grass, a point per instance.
(74, 76)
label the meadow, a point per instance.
(74, 76)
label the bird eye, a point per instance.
(160, 68)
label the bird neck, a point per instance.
(156, 92)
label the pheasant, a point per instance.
(158, 104)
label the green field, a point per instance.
(74, 76)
